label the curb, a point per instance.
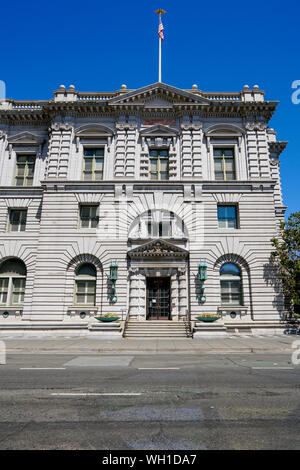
(148, 351)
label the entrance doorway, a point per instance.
(158, 298)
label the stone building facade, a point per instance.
(156, 203)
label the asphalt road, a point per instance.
(161, 402)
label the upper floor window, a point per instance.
(24, 170)
(160, 224)
(85, 284)
(224, 164)
(12, 282)
(231, 284)
(227, 216)
(159, 164)
(89, 216)
(93, 163)
(17, 220)
(156, 223)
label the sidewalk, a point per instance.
(82, 345)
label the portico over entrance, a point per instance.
(158, 281)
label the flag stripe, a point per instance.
(161, 31)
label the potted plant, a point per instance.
(208, 317)
(108, 317)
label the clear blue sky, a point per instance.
(220, 45)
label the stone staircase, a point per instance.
(157, 329)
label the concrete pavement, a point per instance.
(81, 344)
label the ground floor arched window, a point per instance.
(231, 284)
(12, 282)
(85, 284)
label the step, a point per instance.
(156, 334)
(156, 329)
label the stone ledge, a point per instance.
(43, 326)
(216, 328)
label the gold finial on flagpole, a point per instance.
(160, 12)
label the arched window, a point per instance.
(12, 282)
(85, 284)
(231, 284)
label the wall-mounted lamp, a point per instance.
(202, 277)
(113, 277)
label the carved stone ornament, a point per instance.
(274, 162)
(191, 127)
(159, 142)
(59, 126)
(158, 249)
(255, 126)
(126, 126)
(3, 135)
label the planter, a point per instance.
(208, 319)
(107, 319)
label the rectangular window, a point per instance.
(3, 290)
(227, 216)
(17, 220)
(159, 164)
(24, 170)
(93, 163)
(89, 216)
(18, 291)
(12, 291)
(224, 164)
(85, 293)
(231, 292)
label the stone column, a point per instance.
(174, 297)
(182, 293)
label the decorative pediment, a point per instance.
(93, 130)
(223, 130)
(158, 95)
(159, 130)
(158, 249)
(26, 138)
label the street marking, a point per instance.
(42, 368)
(273, 368)
(96, 394)
(159, 368)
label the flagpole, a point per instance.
(159, 58)
(159, 44)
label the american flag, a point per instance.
(161, 30)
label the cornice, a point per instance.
(50, 110)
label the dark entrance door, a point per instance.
(158, 298)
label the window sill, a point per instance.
(240, 310)
(15, 310)
(76, 310)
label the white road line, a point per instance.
(95, 394)
(273, 368)
(159, 368)
(42, 368)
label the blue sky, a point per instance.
(219, 45)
